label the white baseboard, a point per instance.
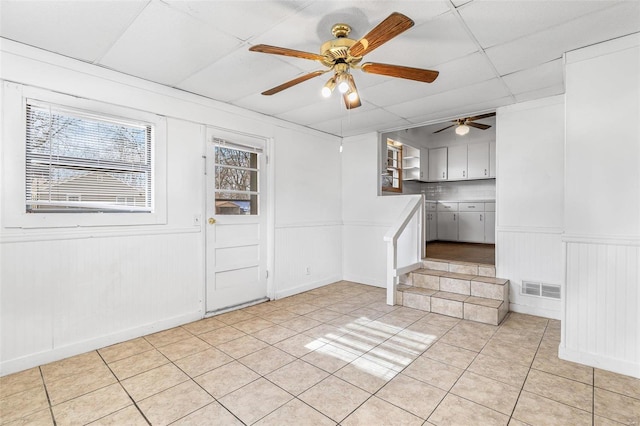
(365, 280)
(306, 287)
(535, 310)
(58, 353)
(600, 361)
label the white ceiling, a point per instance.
(489, 52)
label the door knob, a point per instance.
(211, 221)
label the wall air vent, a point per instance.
(532, 288)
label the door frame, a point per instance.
(269, 207)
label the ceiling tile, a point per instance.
(436, 41)
(82, 30)
(496, 22)
(322, 110)
(545, 46)
(544, 92)
(166, 46)
(241, 74)
(458, 73)
(457, 98)
(353, 123)
(242, 20)
(545, 75)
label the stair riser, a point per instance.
(458, 286)
(453, 308)
(461, 268)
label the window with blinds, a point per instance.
(77, 161)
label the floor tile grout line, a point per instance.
(135, 404)
(46, 391)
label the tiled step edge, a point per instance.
(481, 269)
(465, 284)
(479, 309)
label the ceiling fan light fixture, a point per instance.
(328, 87)
(352, 95)
(462, 130)
(343, 83)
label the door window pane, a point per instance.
(236, 181)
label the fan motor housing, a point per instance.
(338, 48)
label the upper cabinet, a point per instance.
(424, 165)
(478, 160)
(457, 162)
(438, 164)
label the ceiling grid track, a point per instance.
(456, 14)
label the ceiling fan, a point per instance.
(342, 54)
(463, 124)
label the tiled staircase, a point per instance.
(458, 289)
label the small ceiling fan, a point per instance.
(463, 124)
(342, 54)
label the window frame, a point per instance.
(13, 175)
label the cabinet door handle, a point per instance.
(442, 174)
(463, 173)
(480, 218)
(485, 172)
(454, 217)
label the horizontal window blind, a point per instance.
(79, 161)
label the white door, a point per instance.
(236, 267)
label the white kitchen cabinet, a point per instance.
(431, 223)
(490, 227)
(457, 162)
(447, 226)
(478, 160)
(492, 159)
(447, 221)
(471, 227)
(438, 164)
(424, 165)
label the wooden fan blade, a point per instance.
(351, 104)
(417, 74)
(479, 117)
(477, 125)
(448, 127)
(274, 50)
(292, 82)
(395, 24)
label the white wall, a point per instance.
(308, 222)
(529, 188)
(68, 290)
(601, 319)
(366, 216)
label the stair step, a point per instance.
(482, 269)
(465, 284)
(480, 309)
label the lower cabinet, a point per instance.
(432, 226)
(465, 222)
(448, 226)
(471, 227)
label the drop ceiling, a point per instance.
(489, 53)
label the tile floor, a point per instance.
(334, 355)
(466, 252)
